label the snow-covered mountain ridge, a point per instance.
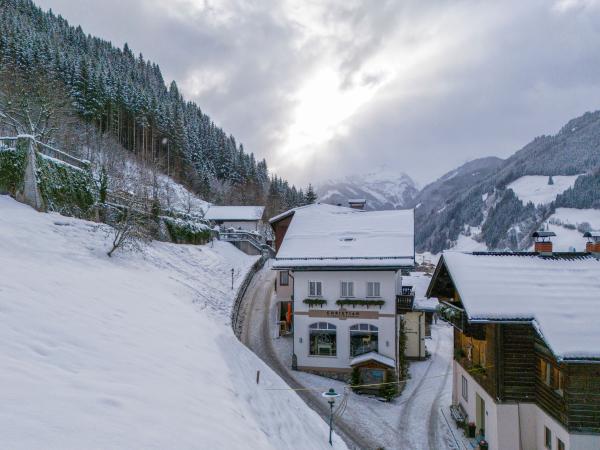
(382, 188)
(134, 351)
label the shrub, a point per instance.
(12, 169)
(187, 232)
(64, 188)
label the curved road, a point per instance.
(418, 421)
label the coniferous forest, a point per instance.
(109, 91)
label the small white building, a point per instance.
(247, 218)
(338, 284)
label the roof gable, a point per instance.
(560, 295)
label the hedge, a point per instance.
(187, 232)
(12, 169)
(65, 188)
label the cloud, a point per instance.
(327, 88)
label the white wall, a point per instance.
(284, 293)
(244, 225)
(415, 334)
(331, 292)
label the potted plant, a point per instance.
(483, 445)
(471, 428)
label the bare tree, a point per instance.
(129, 231)
(31, 106)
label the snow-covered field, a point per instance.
(535, 188)
(133, 351)
(568, 239)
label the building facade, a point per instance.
(338, 286)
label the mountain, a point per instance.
(498, 203)
(381, 188)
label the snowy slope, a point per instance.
(568, 224)
(134, 351)
(382, 188)
(535, 188)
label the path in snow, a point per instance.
(413, 421)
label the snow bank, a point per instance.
(133, 351)
(535, 188)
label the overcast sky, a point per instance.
(323, 89)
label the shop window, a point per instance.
(560, 445)
(323, 339)
(284, 278)
(347, 289)
(314, 289)
(364, 338)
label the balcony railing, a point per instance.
(405, 299)
(457, 317)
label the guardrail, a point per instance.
(55, 153)
(236, 318)
(252, 238)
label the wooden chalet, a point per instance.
(526, 345)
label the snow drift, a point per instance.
(130, 352)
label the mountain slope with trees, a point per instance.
(107, 91)
(482, 200)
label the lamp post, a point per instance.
(232, 271)
(330, 395)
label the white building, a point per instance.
(339, 282)
(246, 218)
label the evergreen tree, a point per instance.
(310, 196)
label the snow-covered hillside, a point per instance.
(133, 351)
(535, 188)
(382, 188)
(569, 224)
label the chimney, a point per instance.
(357, 203)
(543, 244)
(593, 243)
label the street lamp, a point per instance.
(232, 271)
(330, 395)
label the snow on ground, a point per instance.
(133, 351)
(535, 188)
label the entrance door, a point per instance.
(480, 414)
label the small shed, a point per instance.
(246, 218)
(374, 369)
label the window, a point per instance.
(373, 289)
(465, 390)
(546, 372)
(364, 338)
(314, 289)
(557, 380)
(284, 278)
(322, 339)
(547, 437)
(560, 445)
(347, 289)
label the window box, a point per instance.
(314, 301)
(360, 302)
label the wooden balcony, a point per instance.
(457, 317)
(405, 300)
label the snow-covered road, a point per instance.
(413, 421)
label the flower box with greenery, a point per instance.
(315, 301)
(459, 353)
(360, 302)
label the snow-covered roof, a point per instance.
(561, 295)
(327, 235)
(426, 304)
(357, 200)
(234, 213)
(373, 356)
